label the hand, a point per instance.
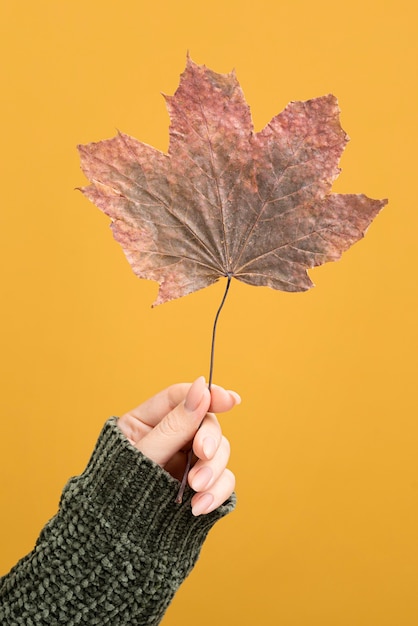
(165, 426)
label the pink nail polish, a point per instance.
(195, 394)
(209, 447)
(203, 504)
(202, 478)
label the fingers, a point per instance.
(205, 473)
(156, 408)
(208, 437)
(210, 477)
(178, 427)
(207, 501)
(136, 424)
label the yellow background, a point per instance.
(325, 443)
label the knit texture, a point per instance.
(116, 551)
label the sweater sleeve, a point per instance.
(116, 551)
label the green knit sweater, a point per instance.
(116, 551)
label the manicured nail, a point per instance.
(235, 395)
(203, 504)
(209, 447)
(195, 394)
(202, 478)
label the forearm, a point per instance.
(117, 550)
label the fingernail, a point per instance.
(235, 395)
(203, 504)
(209, 447)
(202, 478)
(195, 394)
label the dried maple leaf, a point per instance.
(225, 201)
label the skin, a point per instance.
(165, 426)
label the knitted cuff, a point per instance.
(136, 497)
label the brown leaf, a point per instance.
(225, 200)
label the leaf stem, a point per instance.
(179, 497)
(212, 350)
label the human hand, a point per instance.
(165, 426)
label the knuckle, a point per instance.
(225, 484)
(226, 445)
(170, 425)
(230, 477)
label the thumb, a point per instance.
(179, 426)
